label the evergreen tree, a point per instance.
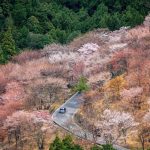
(21, 37)
(9, 22)
(8, 44)
(65, 144)
(5, 6)
(37, 40)
(82, 85)
(2, 59)
(114, 22)
(33, 24)
(101, 16)
(103, 147)
(67, 141)
(132, 17)
(108, 147)
(95, 147)
(57, 144)
(19, 13)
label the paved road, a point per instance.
(67, 122)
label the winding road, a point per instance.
(67, 122)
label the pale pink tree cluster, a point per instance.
(133, 98)
(147, 117)
(26, 56)
(115, 124)
(147, 21)
(78, 69)
(131, 93)
(8, 107)
(42, 116)
(138, 32)
(60, 57)
(23, 125)
(16, 125)
(88, 48)
(18, 118)
(3, 82)
(14, 92)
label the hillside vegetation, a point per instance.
(35, 23)
(111, 67)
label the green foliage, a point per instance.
(2, 58)
(108, 147)
(114, 21)
(35, 23)
(81, 85)
(38, 40)
(19, 13)
(100, 16)
(72, 35)
(57, 144)
(21, 37)
(103, 147)
(132, 17)
(95, 147)
(65, 144)
(68, 144)
(8, 48)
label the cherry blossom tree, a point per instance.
(26, 56)
(119, 62)
(147, 117)
(42, 96)
(115, 124)
(133, 97)
(147, 21)
(144, 134)
(77, 70)
(3, 82)
(132, 92)
(8, 108)
(28, 127)
(15, 125)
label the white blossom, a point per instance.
(147, 117)
(88, 48)
(115, 123)
(132, 92)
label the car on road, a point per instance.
(62, 110)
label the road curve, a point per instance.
(67, 122)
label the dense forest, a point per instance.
(35, 23)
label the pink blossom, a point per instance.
(147, 117)
(132, 92)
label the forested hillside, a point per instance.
(111, 68)
(35, 23)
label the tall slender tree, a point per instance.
(8, 44)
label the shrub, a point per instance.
(65, 144)
(103, 147)
(81, 85)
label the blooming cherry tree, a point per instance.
(115, 124)
(147, 117)
(132, 92)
